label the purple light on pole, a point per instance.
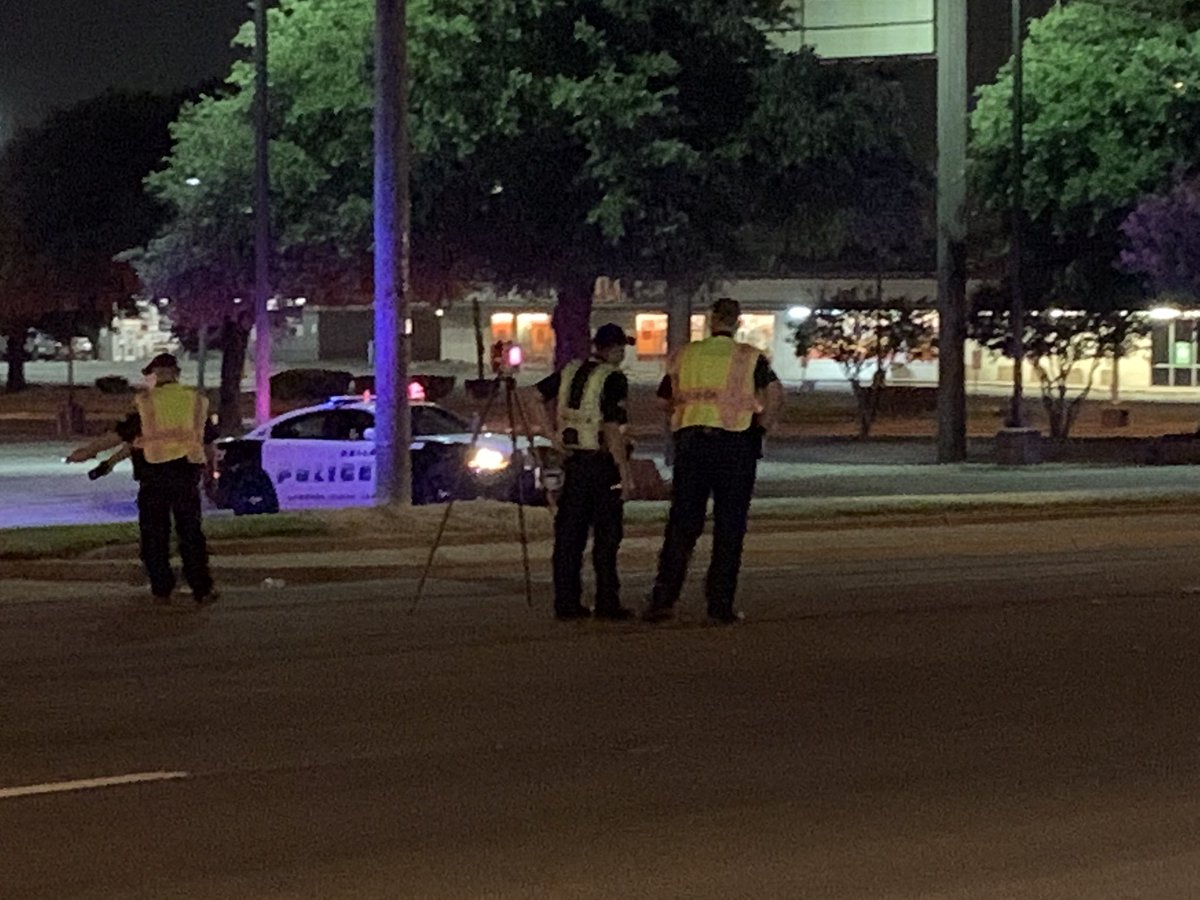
(262, 222)
(393, 428)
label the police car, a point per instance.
(324, 456)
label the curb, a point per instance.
(309, 555)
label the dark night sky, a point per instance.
(55, 52)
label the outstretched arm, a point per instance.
(92, 449)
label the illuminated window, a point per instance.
(758, 329)
(699, 327)
(535, 336)
(651, 334)
(502, 326)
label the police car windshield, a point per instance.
(431, 420)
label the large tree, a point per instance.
(25, 283)
(1112, 109)
(74, 184)
(552, 142)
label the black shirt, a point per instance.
(613, 395)
(129, 429)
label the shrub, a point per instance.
(309, 384)
(114, 384)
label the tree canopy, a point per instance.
(1112, 106)
(552, 141)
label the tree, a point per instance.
(1112, 108)
(552, 142)
(75, 186)
(25, 284)
(865, 343)
(1062, 346)
(1162, 237)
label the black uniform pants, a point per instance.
(590, 500)
(723, 465)
(172, 490)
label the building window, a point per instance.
(535, 336)
(502, 326)
(1173, 354)
(758, 329)
(699, 327)
(651, 331)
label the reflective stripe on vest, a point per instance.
(172, 424)
(580, 427)
(712, 385)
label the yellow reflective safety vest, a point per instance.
(172, 423)
(581, 427)
(712, 385)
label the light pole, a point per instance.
(952, 229)
(393, 427)
(262, 222)
(1016, 416)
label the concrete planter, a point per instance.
(1018, 447)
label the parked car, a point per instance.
(324, 456)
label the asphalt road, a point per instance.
(975, 712)
(36, 488)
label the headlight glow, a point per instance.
(485, 459)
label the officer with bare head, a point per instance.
(723, 398)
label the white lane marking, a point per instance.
(87, 784)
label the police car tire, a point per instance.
(253, 494)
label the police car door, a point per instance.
(321, 458)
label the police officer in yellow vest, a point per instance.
(589, 400)
(168, 434)
(723, 397)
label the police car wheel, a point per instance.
(253, 494)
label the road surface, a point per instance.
(967, 713)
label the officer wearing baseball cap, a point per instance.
(587, 403)
(169, 436)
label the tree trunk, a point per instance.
(16, 361)
(862, 399)
(572, 322)
(233, 360)
(679, 316)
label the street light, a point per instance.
(1016, 416)
(952, 229)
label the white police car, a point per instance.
(324, 456)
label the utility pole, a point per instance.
(1016, 269)
(393, 426)
(262, 221)
(952, 229)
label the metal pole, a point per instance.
(1016, 416)
(952, 229)
(262, 221)
(393, 427)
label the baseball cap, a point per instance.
(162, 361)
(611, 335)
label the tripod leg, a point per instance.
(510, 400)
(437, 540)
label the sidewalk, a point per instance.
(792, 531)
